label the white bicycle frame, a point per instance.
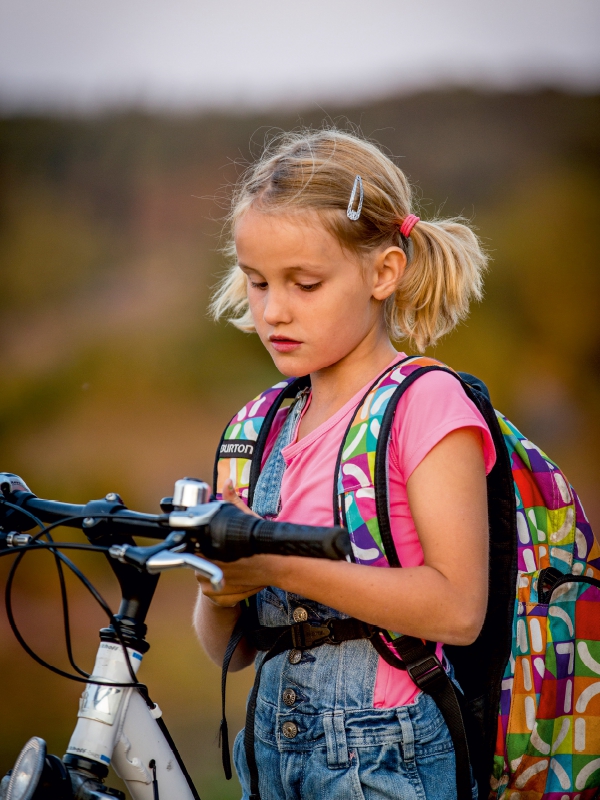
(115, 726)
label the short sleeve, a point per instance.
(431, 408)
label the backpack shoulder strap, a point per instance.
(362, 505)
(361, 493)
(242, 444)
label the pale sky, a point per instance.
(89, 54)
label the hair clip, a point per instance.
(354, 215)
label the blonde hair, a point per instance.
(315, 171)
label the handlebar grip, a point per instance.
(287, 538)
(232, 534)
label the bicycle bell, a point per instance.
(190, 492)
(9, 482)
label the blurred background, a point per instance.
(122, 129)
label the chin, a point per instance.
(291, 365)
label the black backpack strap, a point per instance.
(306, 635)
(430, 677)
(422, 665)
(256, 447)
(247, 621)
(292, 390)
(479, 667)
(337, 517)
(236, 637)
(278, 647)
(382, 464)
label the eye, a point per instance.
(309, 287)
(262, 285)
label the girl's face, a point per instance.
(312, 303)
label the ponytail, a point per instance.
(444, 274)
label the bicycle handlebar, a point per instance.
(219, 531)
(232, 534)
(122, 520)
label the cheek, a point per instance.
(347, 309)
(256, 302)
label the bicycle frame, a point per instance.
(116, 726)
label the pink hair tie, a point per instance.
(408, 223)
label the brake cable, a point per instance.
(65, 610)
(63, 592)
(93, 591)
(53, 547)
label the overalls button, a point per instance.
(289, 697)
(300, 615)
(289, 729)
(295, 656)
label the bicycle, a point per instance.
(118, 723)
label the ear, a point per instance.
(388, 271)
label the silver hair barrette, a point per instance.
(358, 184)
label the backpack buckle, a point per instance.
(306, 635)
(428, 674)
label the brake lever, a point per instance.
(168, 559)
(138, 556)
(197, 516)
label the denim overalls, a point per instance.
(317, 734)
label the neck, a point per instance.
(333, 386)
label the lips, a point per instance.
(284, 345)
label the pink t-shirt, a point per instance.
(429, 410)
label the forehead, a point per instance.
(288, 238)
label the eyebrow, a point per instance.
(295, 268)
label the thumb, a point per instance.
(231, 496)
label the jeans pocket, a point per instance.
(383, 773)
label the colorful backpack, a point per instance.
(531, 680)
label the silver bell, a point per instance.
(190, 492)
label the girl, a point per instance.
(331, 266)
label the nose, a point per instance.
(276, 309)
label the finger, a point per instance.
(247, 591)
(230, 587)
(228, 601)
(231, 599)
(231, 496)
(231, 582)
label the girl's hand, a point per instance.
(231, 496)
(234, 591)
(229, 596)
(243, 578)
